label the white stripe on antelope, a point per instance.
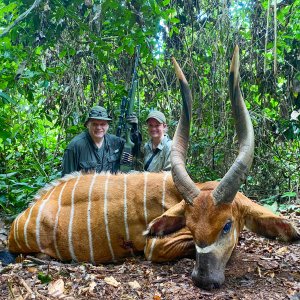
(97, 218)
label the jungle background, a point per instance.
(58, 58)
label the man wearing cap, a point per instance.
(94, 149)
(158, 149)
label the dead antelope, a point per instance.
(101, 218)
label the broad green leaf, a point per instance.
(174, 20)
(289, 194)
(6, 98)
(119, 50)
(3, 176)
(62, 53)
(38, 50)
(23, 184)
(72, 51)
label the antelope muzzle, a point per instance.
(208, 272)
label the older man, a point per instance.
(94, 149)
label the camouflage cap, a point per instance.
(98, 113)
(157, 115)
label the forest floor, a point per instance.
(258, 269)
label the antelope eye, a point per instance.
(227, 227)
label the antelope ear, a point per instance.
(170, 221)
(263, 222)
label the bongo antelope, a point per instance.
(102, 218)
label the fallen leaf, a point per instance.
(270, 273)
(259, 271)
(112, 281)
(32, 269)
(134, 284)
(282, 250)
(92, 286)
(56, 289)
(156, 297)
(82, 268)
(293, 257)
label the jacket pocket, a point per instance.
(114, 156)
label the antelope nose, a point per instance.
(208, 282)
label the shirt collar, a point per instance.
(161, 145)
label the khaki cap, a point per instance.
(157, 115)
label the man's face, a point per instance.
(155, 129)
(97, 128)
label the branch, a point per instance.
(20, 18)
(266, 37)
(39, 261)
(275, 37)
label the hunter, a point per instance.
(95, 149)
(158, 149)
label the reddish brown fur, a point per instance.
(205, 221)
(180, 227)
(206, 226)
(115, 216)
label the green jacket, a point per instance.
(161, 161)
(83, 155)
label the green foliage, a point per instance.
(66, 56)
(44, 278)
(272, 207)
(279, 204)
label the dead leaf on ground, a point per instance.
(134, 284)
(259, 268)
(259, 271)
(32, 269)
(56, 289)
(92, 286)
(282, 250)
(293, 257)
(112, 281)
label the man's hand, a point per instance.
(132, 119)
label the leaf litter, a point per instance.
(258, 269)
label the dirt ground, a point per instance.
(258, 269)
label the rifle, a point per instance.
(127, 105)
